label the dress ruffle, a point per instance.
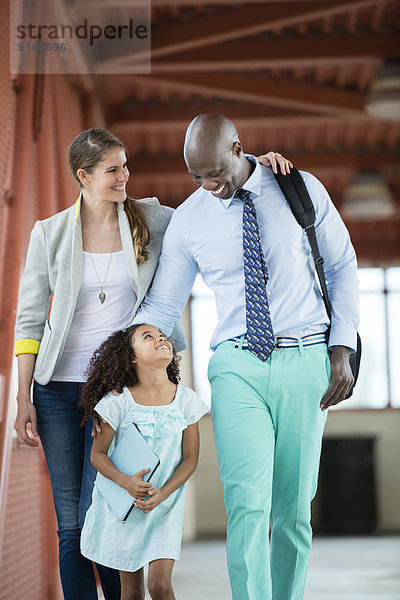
(158, 423)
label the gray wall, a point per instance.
(384, 425)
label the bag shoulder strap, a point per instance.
(298, 198)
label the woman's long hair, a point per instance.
(111, 368)
(86, 151)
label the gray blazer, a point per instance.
(54, 266)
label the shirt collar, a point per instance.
(253, 184)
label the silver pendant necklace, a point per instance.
(102, 295)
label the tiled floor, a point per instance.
(339, 569)
(363, 568)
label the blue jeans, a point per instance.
(67, 447)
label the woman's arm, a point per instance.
(33, 306)
(26, 411)
(187, 466)
(133, 484)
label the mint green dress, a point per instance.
(144, 536)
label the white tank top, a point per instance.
(93, 322)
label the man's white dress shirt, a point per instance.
(205, 233)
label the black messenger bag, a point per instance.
(296, 193)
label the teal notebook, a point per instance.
(130, 455)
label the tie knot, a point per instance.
(243, 195)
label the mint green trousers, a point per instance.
(268, 429)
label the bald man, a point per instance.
(271, 376)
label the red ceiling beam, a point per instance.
(366, 160)
(383, 245)
(158, 115)
(265, 90)
(234, 23)
(253, 54)
(146, 167)
(130, 4)
(262, 117)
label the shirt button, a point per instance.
(269, 292)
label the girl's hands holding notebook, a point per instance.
(156, 496)
(135, 485)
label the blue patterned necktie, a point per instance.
(260, 336)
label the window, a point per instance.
(393, 328)
(378, 385)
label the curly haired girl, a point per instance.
(141, 366)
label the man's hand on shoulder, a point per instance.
(341, 377)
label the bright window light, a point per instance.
(378, 385)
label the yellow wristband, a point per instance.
(26, 347)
